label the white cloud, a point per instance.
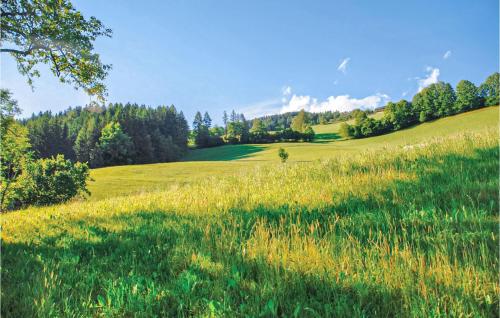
(334, 103)
(287, 90)
(432, 77)
(343, 65)
(404, 93)
(289, 102)
(447, 54)
(335, 82)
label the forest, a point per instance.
(112, 135)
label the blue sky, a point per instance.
(262, 57)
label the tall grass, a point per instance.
(402, 232)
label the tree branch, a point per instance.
(16, 51)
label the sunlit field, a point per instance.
(171, 159)
(227, 160)
(411, 231)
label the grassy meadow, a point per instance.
(405, 232)
(230, 159)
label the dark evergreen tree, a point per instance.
(200, 131)
(157, 134)
(234, 116)
(207, 121)
(225, 120)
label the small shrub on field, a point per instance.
(283, 155)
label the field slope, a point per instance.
(404, 232)
(232, 159)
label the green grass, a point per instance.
(394, 232)
(227, 160)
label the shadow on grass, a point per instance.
(160, 263)
(224, 153)
(166, 265)
(327, 137)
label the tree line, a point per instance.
(434, 101)
(278, 122)
(112, 135)
(238, 130)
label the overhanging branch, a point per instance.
(16, 51)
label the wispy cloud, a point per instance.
(334, 103)
(287, 90)
(447, 55)
(431, 78)
(262, 108)
(343, 65)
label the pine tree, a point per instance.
(200, 131)
(234, 117)
(225, 120)
(207, 121)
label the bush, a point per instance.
(308, 134)
(283, 155)
(345, 130)
(50, 181)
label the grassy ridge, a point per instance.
(405, 232)
(227, 160)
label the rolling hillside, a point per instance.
(230, 159)
(406, 232)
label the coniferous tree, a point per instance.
(245, 129)
(69, 133)
(86, 144)
(200, 131)
(207, 121)
(225, 120)
(234, 117)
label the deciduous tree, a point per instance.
(489, 90)
(467, 96)
(115, 145)
(54, 33)
(14, 145)
(299, 122)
